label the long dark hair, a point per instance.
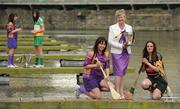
(95, 48)
(11, 18)
(154, 53)
(37, 15)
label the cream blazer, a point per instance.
(115, 35)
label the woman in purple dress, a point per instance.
(120, 51)
(12, 38)
(93, 78)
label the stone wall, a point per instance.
(58, 19)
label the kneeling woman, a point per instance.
(93, 78)
(154, 82)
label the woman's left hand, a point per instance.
(125, 45)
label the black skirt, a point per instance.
(158, 82)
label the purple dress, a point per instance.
(92, 80)
(120, 61)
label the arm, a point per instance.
(145, 61)
(88, 64)
(111, 41)
(10, 28)
(41, 22)
(42, 29)
(16, 30)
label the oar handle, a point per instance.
(141, 68)
(139, 72)
(102, 69)
(136, 80)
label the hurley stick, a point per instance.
(115, 95)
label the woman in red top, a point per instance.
(154, 82)
(12, 35)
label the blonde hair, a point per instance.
(120, 12)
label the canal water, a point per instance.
(63, 85)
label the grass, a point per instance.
(47, 57)
(49, 70)
(31, 43)
(45, 48)
(20, 39)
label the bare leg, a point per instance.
(156, 94)
(104, 85)
(94, 93)
(11, 51)
(117, 83)
(146, 86)
(36, 50)
(40, 50)
(121, 86)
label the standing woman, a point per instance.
(120, 51)
(38, 32)
(93, 78)
(154, 82)
(12, 34)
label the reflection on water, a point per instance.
(39, 85)
(168, 44)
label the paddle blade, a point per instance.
(115, 95)
(128, 95)
(131, 90)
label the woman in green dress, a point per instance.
(38, 32)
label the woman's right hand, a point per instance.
(145, 61)
(98, 64)
(34, 31)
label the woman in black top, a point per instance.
(154, 82)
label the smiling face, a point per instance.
(121, 19)
(101, 46)
(150, 47)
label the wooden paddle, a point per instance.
(129, 94)
(115, 95)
